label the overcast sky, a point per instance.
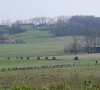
(26, 9)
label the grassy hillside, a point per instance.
(38, 43)
(31, 36)
(80, 75)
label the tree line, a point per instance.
(79, 25)
(58, 26)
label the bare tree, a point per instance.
(75, 43)
(90, 40)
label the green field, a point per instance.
(31, 50)
(83, 76)
(38, 43)
(36, 47)
(31, 36)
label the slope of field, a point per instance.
(38, 43)
(31, 36)
(43, 44)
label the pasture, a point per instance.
(39, 50)
(84, 75)
(70, 77)
(31, 36)
(31, 50)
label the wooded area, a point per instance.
(58, 26)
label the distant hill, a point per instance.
(31, 36)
